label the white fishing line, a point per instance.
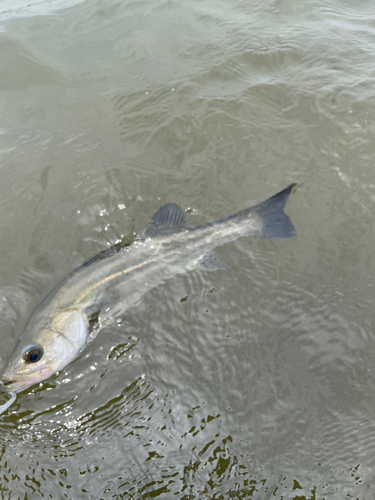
(6, 405)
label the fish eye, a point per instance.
(32, 353)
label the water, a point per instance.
(255, 382)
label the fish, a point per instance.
(111, 282)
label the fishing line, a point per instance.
(6, 405)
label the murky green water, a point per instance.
(254, 382)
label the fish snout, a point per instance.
(6, 384)
(17, 382)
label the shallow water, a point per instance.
(257, 381)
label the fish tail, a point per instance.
(275, 223)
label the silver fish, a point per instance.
(61, 325)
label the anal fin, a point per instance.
(210, 262)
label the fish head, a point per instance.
(47, 347)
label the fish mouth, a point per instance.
(11, 383)
(7, 382)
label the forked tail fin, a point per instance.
(276, 224)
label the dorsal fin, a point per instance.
(168, 219)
